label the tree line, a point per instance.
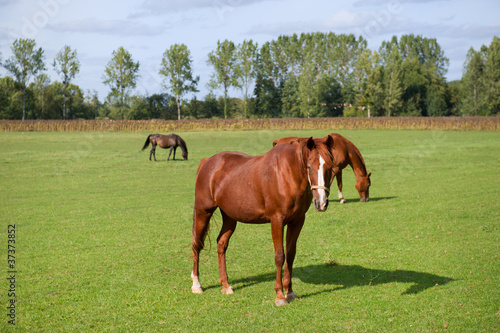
(306, 75)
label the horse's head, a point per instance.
(363, 186)
(319, 169)
(185, 155)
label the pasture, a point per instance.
(102, 239)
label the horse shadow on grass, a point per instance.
(341, 277)
(353, 200)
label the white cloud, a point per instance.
(346, 19)
(108, 27)
(161, 7)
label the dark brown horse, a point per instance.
(171, 141)
(344, 153)
(275, 188)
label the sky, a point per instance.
(147, 28)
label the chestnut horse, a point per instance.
(275, 188)
(171, 141)
(344, 153)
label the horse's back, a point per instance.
(350, 147)
(221, 165)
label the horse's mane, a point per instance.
(182, 143)
(355, 149)
(352, 148)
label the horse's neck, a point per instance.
(356, 160)
(294, 160)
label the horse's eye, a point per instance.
(309, 168)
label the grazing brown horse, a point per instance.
(344, 153)
(171, 141)
(275, 188)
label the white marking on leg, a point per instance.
(196, 288)
(341, 197)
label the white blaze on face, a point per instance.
(321, 180)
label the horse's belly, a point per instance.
(247, 210)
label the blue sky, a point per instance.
(147, 28)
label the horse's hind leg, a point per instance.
(338, 175)
(228, 226)
(201, 221)
(153, 151)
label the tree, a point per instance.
(225, 75)
(479, 91)
(176, 68)
(472, 89)
(393, 86)
(492, 75)
(247, 62)
(7, 92)
(67, 66)
(121, 75)
(415, 65)
(41, 89)
(26, 62)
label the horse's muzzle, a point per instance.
(320, 206)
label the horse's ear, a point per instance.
(369, 174)
(275, 142)
(310, 143)
(329, 141)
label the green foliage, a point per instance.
(121, 75)
(247, 68)
(481, 81)
(223, 60)
(67, 65)
(414, 83)
(25, 63)
(103, 238)
(156, 106)
(178, 76)
(8, 92)
(307, 75)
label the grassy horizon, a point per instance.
(103, 238)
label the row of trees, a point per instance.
(307, 75)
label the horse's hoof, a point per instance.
(227, 291)
(342, 201)
(280, 302)
(197, 290)
(290, 297)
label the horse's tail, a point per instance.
(146, 144)
(198, 242)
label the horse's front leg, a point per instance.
(292, 234)
(170, 153)
(175, 148)
(279, 259)
(338, 175)
(228, 226)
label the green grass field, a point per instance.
(102, 238)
